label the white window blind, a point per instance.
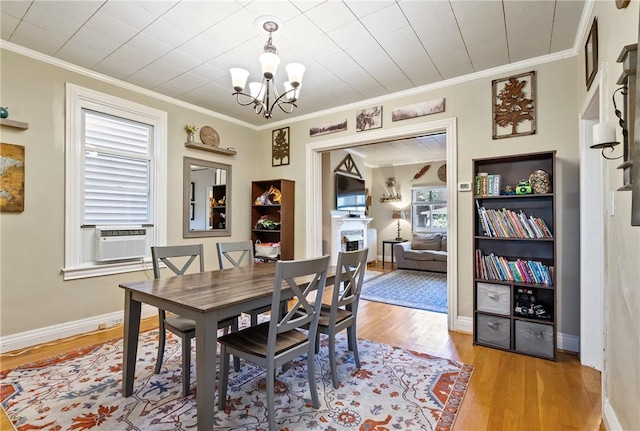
(117, 160)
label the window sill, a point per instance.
(95, 270)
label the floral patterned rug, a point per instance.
(395, 389)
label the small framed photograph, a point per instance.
(192, 211)
(280, 147)
(591, 54)
(367, 119)
(193, 191)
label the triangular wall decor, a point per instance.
(348, 166)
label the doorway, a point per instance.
(314, 183)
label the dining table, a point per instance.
(206, 298)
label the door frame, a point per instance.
(314, 150)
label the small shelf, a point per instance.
(13, 123)
(211, 149)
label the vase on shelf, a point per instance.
(189, 137)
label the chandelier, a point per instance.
(264, 95)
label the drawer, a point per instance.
(493, 298)
(493, 330)
(534, 338)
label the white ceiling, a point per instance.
(353, 50)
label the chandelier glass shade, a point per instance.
(264, 96)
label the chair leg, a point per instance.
(353, 343)
(223, 378)
(311, 375)
(236, 360)
(332, 359)
(271, 378)
(186, 366)
(254, 319)
(161, 341)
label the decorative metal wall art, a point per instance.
(514, 106)
(11, 178)
(280, 147)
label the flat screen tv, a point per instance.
(350, 194)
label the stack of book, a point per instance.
(492, 267)
(488, 184)
(505, 223)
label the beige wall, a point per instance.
(617, 28)
(33, 293)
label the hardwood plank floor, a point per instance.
(507, 391)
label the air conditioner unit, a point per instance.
(120, 242)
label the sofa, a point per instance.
(425, 251)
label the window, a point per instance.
(429, 209)
(115, 176)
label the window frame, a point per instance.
(431, 204)
(78, 238)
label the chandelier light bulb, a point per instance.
(256, 89)
(295, 72)
(238, 78)
(291, 92)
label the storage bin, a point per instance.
(534, 338)
(493, 330)
(493, 298)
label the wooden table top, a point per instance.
(211, 290)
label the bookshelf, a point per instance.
(282, 212)
(514, 293)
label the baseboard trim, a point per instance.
(464, 324)
(69, 329)
(609, 417)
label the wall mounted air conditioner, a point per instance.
(120, 242)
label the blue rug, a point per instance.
(413, 289)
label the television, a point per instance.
(350, 193)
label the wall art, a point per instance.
(591, 54)
(280, 147)
(332, 127)
(11, 178)
(367, 119)
(418, 110)
(514, 106)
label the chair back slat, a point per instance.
(350, 270)
(169, 255)
(234, 253)
(311, 275)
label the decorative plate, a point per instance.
(442, 173)
(209, 136)
(540, 182)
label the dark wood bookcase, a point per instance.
(514, 288)
(283, 213)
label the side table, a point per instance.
(391, 242)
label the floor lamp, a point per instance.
(400, 215)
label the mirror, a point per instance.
(206, 199)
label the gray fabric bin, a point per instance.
(493, 298)
(534, 338)
(493, 330)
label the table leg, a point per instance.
(383, 244)
(206, 351)
(131, 332)
(391, 256)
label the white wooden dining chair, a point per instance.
(236, 254)
(178, 259)
(282, 339)
(342, 313)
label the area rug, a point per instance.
(414, 289)
(395, 389)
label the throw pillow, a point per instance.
(426, 241)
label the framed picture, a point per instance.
(421, 109)
(331, 127)
(591, 54)
(193, 191)
(12, 178)
(367, 119)
(514, 110)
(280, 147)
(192, 211)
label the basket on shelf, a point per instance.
(267, 249)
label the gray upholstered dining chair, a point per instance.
(235, 253)
(342, 313)
(179, 258)
(282, 339)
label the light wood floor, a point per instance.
(507, 391)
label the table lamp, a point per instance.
(399, 214)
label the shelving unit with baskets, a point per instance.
(514, 294)
(281, 213)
